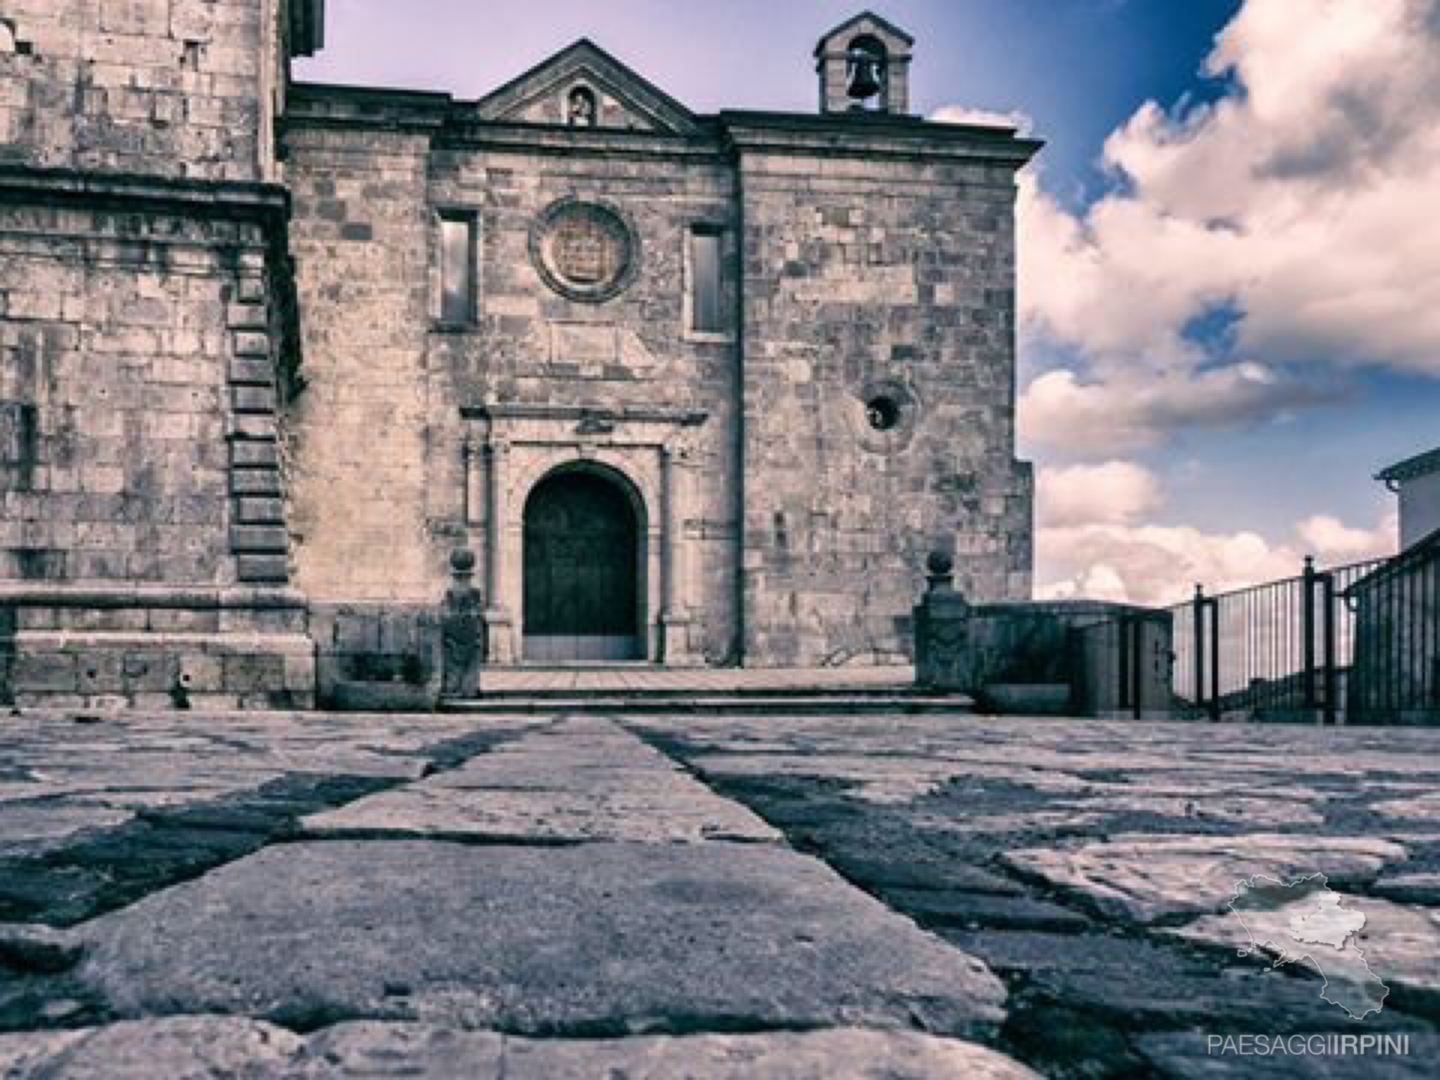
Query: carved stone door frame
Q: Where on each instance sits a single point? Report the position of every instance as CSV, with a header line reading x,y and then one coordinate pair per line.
x,y
512,448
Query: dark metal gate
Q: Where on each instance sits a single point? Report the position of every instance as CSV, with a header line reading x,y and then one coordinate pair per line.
x,y
581,555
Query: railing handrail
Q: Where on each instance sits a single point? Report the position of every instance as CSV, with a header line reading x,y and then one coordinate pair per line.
x,y
1360,565
1359,639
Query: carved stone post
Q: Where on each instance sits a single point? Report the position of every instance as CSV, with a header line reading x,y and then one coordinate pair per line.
x,y
461,629
497,620
942,655
674,617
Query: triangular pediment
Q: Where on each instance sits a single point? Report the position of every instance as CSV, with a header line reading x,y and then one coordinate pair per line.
x,y
623,100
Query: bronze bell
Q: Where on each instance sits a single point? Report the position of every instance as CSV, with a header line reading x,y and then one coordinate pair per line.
x,y
866,69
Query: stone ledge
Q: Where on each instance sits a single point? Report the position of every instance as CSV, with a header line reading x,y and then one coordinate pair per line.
x,y
120,595
219,644
226,198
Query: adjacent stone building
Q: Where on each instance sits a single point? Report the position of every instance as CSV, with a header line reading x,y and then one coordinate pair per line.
x,y
144,297
694,389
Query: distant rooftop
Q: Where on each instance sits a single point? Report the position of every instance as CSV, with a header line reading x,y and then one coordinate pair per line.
x,y
1419,465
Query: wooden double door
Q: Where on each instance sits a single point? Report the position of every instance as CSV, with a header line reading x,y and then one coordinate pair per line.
x,y
583,586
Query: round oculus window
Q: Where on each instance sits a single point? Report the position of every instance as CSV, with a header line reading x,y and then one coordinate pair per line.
x,y
585,251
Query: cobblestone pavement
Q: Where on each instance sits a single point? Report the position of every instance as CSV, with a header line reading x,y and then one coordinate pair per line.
x,y
652,896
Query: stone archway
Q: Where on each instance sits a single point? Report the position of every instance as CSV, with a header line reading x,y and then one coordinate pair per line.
x,y
583,569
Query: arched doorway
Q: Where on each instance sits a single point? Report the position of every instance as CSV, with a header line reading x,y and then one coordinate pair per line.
x,y
583,587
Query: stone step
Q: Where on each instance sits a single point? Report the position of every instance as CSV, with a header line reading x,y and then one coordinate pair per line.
x,y
728,703
642,690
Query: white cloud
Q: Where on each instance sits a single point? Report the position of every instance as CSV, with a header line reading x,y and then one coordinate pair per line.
x,y
1156,564
1134,409
964,114
1113,493
1159,565
1328,538
1302,201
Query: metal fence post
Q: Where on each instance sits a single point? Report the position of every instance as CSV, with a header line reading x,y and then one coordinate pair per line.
x,y
1198,604
1332,681
1307,630
1213,603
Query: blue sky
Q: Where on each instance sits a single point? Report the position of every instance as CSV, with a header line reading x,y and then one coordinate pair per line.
x,y
1223,326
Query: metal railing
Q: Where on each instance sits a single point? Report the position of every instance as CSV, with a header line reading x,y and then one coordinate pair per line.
x,y
1355,643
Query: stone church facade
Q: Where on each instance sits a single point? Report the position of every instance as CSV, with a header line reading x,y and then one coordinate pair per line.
x,y
694,389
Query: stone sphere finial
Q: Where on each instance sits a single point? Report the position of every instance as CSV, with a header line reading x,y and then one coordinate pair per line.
x,y
462,561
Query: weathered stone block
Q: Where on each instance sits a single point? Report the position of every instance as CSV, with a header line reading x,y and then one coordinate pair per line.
x,y
150,672
100,673
262,569
260,539
249,427
259,453
263,482
259,511
45,672
250,371
253,399
252,343
200,673
244,674
247,317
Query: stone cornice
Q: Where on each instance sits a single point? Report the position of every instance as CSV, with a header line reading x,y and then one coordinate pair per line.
x,y
873,135
618,414
269,203
455,125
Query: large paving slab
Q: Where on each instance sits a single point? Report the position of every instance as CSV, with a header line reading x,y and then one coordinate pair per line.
x,y
582,778
631,893
65,772
594,938
1395,951
211,1048
1062,852
1147,878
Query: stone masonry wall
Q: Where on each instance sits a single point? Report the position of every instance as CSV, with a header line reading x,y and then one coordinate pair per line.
x,y
866,278
534,347
357,432
162,87
142,539
381,488
121,334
